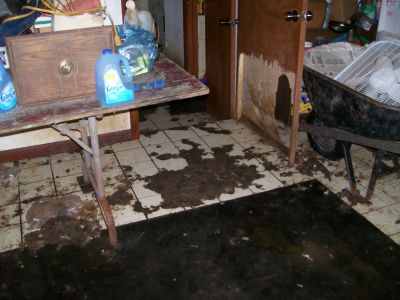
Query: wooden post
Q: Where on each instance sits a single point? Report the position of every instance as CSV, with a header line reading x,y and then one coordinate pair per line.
x,y
297,89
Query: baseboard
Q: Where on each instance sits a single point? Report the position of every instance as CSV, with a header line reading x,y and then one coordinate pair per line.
x,y
60,147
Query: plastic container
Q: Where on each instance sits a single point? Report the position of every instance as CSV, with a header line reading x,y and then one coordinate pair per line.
x,y
8,99
149,81
114,86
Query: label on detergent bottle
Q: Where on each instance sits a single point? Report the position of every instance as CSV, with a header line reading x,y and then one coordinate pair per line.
x,y
8,99
115,90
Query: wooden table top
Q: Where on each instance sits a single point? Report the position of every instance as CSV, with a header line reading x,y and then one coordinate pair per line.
x,y
179,85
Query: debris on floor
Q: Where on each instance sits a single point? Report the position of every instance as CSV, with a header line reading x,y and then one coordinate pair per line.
x,y
61,220
202,179
62,231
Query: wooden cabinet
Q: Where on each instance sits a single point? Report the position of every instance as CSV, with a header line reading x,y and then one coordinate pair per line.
x,y
56,66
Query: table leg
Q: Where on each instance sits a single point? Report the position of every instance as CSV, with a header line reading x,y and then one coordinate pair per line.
x,y
135,124
85,155
100,192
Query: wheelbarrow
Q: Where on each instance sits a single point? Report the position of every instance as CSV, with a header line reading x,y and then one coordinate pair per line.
x,y
341,117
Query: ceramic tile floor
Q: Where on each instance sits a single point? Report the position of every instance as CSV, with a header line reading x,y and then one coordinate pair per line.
x,y
134,162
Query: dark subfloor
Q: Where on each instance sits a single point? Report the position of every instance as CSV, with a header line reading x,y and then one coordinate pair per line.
x,y
298,242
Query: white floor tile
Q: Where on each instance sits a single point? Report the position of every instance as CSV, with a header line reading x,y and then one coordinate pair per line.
x,y
200,144
238,193
385,219
132,156
35,174
160,116
218,140
164,211
155,138
36,189
108,161
33,162
290,176
374,203
127,215
67,168
166,156
140,189
140,170
106,150
10,238
231,125
60,157
204,129
188,119
126,146
147,125
153,203
251,162
180,133
67,184
245,135
113,175
396,238
259,146
388,191
266,183
9,215
9,192
167,124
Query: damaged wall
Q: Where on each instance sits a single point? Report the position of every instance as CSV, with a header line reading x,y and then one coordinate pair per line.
x,y
268,48
260,87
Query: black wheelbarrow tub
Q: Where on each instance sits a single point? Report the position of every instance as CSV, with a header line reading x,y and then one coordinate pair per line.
x,y
340,106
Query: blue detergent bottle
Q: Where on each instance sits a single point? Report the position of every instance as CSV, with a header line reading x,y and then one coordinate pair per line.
x,y
8,99
113,86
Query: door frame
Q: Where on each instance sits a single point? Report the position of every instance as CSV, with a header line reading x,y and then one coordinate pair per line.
x,y
190,37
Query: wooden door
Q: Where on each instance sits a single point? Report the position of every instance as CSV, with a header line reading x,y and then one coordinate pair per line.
x,y
270,53
220,57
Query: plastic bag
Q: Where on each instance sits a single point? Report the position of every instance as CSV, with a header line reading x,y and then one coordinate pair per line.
x,y
138,47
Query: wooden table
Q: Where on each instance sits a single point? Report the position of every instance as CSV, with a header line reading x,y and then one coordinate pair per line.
x,y
179,85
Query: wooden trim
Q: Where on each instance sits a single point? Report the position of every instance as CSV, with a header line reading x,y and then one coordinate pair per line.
x,y
297,89
234,62
60,147
190,39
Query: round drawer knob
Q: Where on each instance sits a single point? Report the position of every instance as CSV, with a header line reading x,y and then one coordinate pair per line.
x,y
65,67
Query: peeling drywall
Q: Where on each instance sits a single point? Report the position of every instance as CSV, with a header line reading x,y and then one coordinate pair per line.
x,y
258,88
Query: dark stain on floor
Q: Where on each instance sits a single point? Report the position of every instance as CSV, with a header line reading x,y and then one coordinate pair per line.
x,y
293,243
120,196
202,179
149,132
166,156
205,128
85,187
46,208
62,231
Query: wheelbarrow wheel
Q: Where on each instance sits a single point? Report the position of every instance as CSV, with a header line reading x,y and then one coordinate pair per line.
x,y
325,146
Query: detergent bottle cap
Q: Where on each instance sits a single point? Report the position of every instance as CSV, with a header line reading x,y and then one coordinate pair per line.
x,y
107,51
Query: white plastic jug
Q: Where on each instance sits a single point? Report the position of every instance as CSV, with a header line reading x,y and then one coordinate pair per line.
x,y
113,86
141,18
8,99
